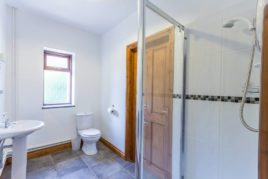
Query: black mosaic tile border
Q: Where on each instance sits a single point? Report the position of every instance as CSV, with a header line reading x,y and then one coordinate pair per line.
x,y
230,99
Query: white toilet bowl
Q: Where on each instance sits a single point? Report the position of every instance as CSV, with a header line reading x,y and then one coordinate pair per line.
x,y
90,138
86,131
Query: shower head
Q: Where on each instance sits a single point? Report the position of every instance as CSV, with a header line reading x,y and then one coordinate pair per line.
x,y
230,23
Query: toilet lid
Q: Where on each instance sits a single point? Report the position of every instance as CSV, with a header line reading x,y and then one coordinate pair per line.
x,y
90,132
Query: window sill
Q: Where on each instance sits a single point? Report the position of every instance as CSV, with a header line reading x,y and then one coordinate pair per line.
x,y
58,106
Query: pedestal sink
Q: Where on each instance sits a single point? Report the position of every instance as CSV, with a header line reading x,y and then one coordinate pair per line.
x,y
18,131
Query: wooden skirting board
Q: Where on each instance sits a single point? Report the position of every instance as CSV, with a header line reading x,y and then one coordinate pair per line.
x,y
60,147
113,148
44,151
48,150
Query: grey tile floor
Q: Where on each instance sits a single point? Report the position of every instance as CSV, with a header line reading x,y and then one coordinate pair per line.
x,y
76,165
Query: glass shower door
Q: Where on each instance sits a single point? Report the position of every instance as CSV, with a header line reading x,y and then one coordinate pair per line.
x,y
162,92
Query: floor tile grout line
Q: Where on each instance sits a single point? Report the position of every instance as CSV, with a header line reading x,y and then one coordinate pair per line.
x,y
89,167
129,173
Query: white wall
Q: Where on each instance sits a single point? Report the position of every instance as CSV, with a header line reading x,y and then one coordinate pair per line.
x,y
2,25
33,33
217,145
2,52
113,81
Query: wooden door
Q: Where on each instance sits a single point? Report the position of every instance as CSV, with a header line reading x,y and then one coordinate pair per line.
x,y
263,135
158,90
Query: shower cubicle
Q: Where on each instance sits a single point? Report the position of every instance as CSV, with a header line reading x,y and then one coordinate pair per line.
x,y
161,94
198,94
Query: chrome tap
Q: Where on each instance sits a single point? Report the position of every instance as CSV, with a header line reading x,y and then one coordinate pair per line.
x,y
5,120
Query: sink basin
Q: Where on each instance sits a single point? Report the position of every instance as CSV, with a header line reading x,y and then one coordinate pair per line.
x,y
18,131
20,128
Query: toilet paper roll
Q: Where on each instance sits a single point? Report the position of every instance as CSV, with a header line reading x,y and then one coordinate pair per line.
x,y
111,110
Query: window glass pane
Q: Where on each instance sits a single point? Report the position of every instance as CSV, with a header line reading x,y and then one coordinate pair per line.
x,y
56,87
58,62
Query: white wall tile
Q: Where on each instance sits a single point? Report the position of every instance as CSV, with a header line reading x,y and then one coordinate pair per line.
x,y
203,75
218,62
201,160
203,121
204,56
202,136
176,137
238,146
234,72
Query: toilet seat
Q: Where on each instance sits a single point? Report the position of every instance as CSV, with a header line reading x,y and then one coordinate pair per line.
x,y
91,133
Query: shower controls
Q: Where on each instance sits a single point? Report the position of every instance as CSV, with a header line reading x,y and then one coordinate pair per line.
x,y
253,89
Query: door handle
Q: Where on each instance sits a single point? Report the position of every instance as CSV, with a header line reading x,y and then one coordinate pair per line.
x,y
146,123
164,112
146,106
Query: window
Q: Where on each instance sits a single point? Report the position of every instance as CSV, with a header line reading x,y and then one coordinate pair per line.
x,y
58,80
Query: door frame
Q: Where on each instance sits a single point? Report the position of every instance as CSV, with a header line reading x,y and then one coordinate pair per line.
x,y
263,134
130,138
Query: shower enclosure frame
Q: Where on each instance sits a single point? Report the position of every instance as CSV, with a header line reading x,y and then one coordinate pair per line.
x,y
142,5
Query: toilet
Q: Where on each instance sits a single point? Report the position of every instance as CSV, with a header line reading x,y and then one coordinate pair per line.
x,y
88,134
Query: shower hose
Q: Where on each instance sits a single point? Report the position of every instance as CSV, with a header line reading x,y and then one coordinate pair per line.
x,y
242,106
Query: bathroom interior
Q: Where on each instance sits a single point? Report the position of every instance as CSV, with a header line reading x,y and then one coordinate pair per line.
x,y
124,89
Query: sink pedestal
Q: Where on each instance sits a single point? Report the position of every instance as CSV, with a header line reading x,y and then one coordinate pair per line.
x,y
18,131
19,158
